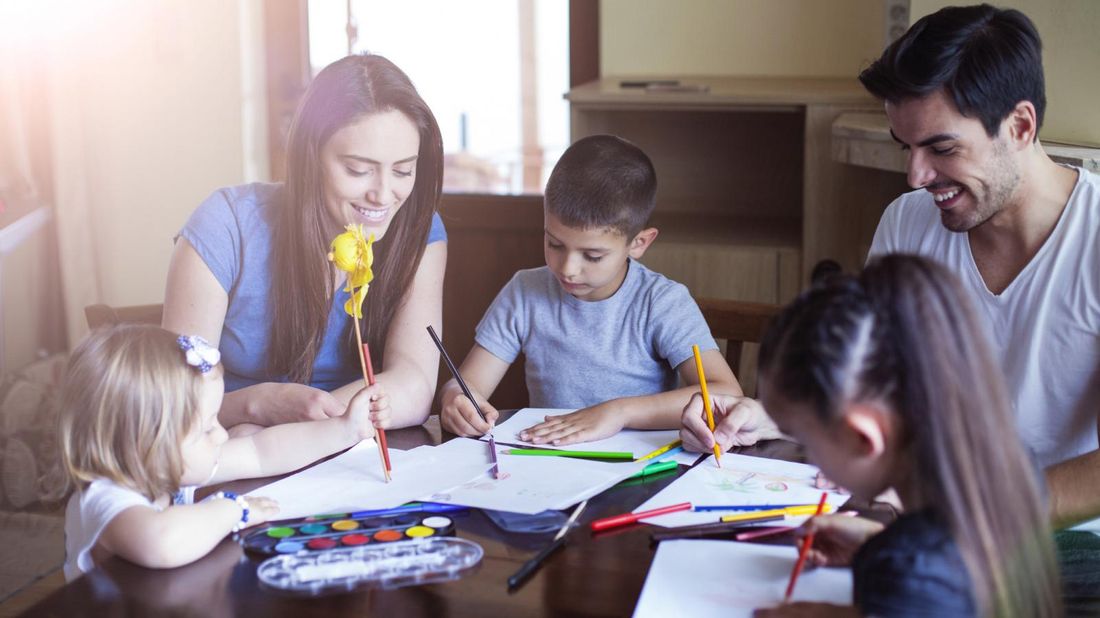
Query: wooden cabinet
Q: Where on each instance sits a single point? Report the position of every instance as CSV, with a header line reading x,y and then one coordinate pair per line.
x,y
749,197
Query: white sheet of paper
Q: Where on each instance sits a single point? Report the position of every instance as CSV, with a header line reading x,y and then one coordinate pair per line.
x,y
635,441
726,579
531,484
353,481
741,480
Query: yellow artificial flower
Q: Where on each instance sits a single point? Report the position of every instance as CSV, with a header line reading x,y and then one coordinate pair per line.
x,y
353,253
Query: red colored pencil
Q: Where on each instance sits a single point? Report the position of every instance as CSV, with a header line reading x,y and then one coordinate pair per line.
x,y
629,518
381,432
806,543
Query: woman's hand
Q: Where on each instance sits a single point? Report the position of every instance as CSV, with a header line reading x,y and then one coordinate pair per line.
x,y
738,421
275,403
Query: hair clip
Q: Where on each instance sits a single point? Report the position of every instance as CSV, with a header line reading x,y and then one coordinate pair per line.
x,y
198,352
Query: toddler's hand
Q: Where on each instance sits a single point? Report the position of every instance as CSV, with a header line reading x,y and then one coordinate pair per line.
x,y
261,510
459,416
738,421
595,423
368,406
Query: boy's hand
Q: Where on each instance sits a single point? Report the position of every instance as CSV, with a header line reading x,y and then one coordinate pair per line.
x,y
837,538
459,416
261,510
370,407
738,421
595,423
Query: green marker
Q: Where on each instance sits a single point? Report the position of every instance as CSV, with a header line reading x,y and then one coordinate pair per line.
x,y
655,468
581,454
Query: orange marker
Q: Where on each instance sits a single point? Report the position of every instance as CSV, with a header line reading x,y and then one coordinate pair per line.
x,y
706,402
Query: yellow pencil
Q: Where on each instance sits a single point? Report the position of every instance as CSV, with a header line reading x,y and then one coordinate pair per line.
x,y
664,449
706,402
808,509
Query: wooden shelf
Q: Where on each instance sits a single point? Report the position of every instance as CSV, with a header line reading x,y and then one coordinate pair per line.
x,y
716,230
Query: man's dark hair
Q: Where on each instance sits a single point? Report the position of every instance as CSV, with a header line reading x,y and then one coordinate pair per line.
x,y
986,59
603,181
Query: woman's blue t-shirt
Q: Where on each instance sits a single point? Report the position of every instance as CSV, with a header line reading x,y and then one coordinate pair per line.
x,y
232,232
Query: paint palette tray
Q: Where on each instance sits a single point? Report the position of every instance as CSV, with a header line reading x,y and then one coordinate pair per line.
x,y
386,566
331,532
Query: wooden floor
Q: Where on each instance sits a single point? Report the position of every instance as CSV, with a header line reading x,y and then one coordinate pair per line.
x,y
24,599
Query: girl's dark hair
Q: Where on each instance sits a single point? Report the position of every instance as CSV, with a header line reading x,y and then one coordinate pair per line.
x,y
303,279
903,333
986,59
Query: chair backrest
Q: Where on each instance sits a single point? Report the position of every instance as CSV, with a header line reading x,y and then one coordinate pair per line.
x,y
737,322
105,315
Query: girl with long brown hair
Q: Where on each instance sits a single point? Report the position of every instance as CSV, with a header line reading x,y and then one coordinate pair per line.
x,y
250,273
889,382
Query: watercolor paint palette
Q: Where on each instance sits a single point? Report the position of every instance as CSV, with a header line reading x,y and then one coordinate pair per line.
x,y
385,565
330,532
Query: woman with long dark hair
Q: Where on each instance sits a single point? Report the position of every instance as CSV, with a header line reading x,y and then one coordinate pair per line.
x,y
250,272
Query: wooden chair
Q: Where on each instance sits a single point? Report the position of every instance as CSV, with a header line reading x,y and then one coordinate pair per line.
x,y
105,315
737,323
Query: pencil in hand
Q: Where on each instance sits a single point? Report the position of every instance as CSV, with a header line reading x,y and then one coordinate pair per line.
x,y
378,430
706,402
806,543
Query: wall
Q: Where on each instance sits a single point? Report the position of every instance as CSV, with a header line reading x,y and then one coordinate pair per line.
x,y
1071,60
163,94
739,37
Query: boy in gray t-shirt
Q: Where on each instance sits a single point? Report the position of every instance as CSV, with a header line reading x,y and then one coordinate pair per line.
x,y
600,331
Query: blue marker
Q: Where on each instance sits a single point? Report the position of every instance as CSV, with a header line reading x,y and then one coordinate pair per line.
x,y
411,507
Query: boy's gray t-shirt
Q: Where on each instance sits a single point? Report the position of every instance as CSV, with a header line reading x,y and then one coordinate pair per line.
x,y
582,353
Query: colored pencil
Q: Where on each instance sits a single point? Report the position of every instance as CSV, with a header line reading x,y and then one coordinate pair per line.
x,y
630,518
381,432
368,378
655,468
806,543
415,507
706,402
469,395
794,510
747,507
670,453
766,532
546,452
702,530
662,450
535,562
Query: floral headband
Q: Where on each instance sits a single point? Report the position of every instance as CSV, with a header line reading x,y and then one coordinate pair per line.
x,y
198,352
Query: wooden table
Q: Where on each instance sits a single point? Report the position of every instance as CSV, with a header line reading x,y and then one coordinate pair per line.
x,y
593,576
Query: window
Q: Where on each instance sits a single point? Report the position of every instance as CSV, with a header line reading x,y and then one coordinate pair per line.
x,y
493,73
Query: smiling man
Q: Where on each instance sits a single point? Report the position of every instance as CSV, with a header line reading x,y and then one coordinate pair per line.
x,y
964,94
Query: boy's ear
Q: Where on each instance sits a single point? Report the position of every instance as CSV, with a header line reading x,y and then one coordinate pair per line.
x,y
641,241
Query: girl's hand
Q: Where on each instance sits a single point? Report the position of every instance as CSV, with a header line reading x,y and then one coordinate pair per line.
x,y
595,423
261,510
738,421
807,610
368,406
837,538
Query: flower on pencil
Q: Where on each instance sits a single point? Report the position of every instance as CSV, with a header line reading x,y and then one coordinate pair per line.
x,y
352,253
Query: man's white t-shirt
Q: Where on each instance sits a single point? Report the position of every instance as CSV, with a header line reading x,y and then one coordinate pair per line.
x,y
1045,326
88,513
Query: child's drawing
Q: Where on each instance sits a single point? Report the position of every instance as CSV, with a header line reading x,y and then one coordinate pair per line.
x,y
748,482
